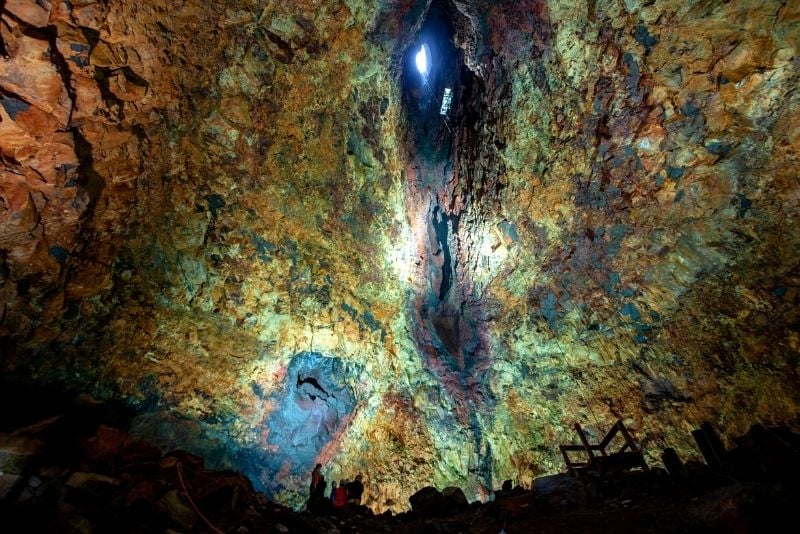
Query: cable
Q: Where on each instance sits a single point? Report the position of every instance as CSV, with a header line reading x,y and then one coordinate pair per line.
x,y
432,95
179,468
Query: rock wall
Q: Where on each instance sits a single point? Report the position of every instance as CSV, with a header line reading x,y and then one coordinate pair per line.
x,y
204,207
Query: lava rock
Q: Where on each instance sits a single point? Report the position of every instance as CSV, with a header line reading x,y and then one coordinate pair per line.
x,y
428,501
561,490
17,451
175,506
8,483
456,498
92,483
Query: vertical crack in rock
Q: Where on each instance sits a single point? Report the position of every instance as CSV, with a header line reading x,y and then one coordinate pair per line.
x,y
445,226
446,200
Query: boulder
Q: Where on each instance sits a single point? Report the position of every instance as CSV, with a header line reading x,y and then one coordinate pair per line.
x,y
428,501
16,451
457,501
7,484
175,506
92,483
109,444
561,490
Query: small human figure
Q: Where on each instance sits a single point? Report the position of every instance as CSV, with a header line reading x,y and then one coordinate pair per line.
x,y
340,496
333,490
354,490
316,475
317,489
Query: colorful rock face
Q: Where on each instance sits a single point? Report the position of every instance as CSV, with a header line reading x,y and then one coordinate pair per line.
x,y
250,221
312,410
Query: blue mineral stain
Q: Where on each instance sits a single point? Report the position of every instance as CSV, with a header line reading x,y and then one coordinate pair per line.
x,y
611,285
258,391
641,330
675,173
679,195
350,310
263,247
13,106
290,247
718,148
618,232
628,292
367,319
371,322
655,316
631,311
310,411
59,253
744,205
80,60
509,230
689,109
547,305
779,291
630,62
644,37
215,203
660,179
633,75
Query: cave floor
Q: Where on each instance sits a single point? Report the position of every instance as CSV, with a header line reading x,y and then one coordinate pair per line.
x,y
80,471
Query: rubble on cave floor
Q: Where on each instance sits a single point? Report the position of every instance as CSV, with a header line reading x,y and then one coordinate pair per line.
x,y
80,471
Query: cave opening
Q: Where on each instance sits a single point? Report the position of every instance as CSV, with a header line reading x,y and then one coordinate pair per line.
x,y
431,74
422,59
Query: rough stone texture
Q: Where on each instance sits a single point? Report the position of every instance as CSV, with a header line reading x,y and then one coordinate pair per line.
x,y
193,194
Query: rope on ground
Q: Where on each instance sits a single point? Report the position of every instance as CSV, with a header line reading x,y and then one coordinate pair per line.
x,y
179,468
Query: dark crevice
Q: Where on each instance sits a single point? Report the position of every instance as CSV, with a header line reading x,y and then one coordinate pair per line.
x,y
13,103
443,224
311,381
3,49
446,153
102,76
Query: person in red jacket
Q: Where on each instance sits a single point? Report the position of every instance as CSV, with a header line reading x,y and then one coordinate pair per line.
x,y
340,496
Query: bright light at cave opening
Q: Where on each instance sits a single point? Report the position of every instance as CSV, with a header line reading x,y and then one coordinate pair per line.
x,y
421,60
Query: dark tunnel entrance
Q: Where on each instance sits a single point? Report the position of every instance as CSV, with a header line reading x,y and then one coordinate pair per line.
x,y
429,132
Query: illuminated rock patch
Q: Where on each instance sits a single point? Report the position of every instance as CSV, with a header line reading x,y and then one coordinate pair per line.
x,y
197,197
309,413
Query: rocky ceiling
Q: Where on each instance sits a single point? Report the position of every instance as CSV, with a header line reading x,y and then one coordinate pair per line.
x,y
248,219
